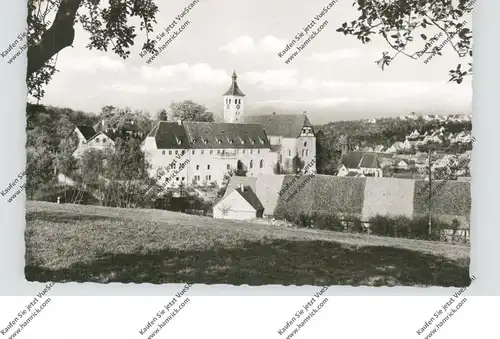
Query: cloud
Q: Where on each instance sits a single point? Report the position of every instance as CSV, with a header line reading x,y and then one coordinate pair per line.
x,y
91,64
245,43
183,72
272,79
239,45
316,102
340,54
272,43
141,89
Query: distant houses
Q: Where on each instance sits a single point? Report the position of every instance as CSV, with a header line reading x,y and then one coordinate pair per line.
x,y
432,117
102,136
360,163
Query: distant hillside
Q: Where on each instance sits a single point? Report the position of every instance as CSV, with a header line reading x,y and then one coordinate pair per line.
x,y
362,133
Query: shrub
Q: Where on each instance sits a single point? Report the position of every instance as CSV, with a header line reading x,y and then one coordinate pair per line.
x,y
356,226
402,227
382,225
419,228
328,222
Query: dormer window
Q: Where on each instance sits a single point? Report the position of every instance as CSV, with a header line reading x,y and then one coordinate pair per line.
x,y
96,139
219,141
253,141
205,141
104,140
261,141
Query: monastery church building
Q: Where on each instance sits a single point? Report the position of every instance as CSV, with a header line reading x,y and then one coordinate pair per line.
x,y
205,151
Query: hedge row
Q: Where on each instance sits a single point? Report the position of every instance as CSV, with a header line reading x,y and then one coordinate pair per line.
x,y
396,227
330,222
411,228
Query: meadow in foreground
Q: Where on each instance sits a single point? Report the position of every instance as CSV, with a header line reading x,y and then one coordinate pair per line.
x,y
98,244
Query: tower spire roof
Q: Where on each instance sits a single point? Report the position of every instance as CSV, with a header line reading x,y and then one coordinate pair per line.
x,y
234,89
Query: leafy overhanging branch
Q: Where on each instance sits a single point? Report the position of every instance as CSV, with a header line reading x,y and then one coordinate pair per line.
x,y
396,21
108,26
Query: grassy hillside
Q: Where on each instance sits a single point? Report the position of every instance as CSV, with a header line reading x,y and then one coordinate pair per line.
x,y
99,244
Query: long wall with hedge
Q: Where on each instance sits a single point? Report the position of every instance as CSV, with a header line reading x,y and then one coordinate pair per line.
x,y
362,198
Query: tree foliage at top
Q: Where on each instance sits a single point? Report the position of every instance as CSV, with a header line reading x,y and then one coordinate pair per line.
x,y
109,25
399,22
190,111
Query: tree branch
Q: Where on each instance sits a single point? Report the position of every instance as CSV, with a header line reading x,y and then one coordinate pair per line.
x,y
60,35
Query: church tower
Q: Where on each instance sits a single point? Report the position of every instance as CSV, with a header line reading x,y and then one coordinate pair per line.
x,y
234,103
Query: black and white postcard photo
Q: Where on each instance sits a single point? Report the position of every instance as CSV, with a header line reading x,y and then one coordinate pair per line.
x,y
249,142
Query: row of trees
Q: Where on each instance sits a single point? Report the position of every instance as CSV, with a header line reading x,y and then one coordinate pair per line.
x,y
109,178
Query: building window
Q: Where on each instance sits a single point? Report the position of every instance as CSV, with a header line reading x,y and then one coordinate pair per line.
x,y
307,152
208,177
208,167
104,140
289,152
243,151
197,167
202,151
182,179
96,139
305,143
169,152
193,151
218,151
261,163
228,166
251,164
302,152
162,152
251,151
197,178
258,151
176,151
229,100
211,151
281,158
177,179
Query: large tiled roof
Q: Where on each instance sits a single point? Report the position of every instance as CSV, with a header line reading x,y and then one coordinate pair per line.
x,y
191,134
169,135
249,195
369,160
87,131
225,135
357,159
288,126
352,159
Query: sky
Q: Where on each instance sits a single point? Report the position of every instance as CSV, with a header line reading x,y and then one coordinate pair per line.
x,y
334,77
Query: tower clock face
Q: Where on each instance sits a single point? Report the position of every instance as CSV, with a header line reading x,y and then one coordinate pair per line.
x,y
238,106
227,106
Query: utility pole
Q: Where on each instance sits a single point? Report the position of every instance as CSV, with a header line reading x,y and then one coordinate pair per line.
x,y
430,192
